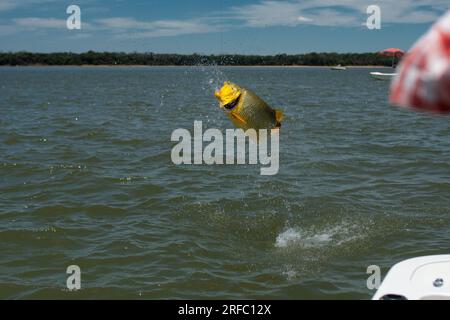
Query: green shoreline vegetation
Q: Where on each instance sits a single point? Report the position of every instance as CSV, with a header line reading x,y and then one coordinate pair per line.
x,y
157,59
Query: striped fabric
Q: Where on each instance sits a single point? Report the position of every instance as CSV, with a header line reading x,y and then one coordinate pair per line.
x,y
423,79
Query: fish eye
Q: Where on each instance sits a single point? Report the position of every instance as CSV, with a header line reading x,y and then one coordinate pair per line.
x,y
230,106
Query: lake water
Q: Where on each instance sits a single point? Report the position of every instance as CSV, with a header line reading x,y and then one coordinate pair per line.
x,y
86,179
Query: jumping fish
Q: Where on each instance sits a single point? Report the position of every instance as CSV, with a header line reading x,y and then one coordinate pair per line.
x,y
246,110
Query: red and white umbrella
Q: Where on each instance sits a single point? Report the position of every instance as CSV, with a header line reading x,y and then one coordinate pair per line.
x,y
423,79
392,52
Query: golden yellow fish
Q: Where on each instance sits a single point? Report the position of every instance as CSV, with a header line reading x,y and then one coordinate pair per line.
x,y
246,110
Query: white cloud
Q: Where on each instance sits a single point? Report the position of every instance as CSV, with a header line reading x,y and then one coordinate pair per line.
x,y
292,13
122,23
304,19
45,23
408,11
159,28
262,13
6,5
268,13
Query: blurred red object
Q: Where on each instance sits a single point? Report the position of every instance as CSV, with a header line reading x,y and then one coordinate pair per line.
x,y
423,79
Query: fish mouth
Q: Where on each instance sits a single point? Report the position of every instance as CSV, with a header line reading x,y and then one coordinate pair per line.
x,y
233,104
228,95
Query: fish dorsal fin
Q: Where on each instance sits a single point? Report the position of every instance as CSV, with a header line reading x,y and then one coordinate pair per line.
x,y
279,115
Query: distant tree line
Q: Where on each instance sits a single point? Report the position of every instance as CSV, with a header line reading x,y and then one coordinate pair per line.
x,y
156,59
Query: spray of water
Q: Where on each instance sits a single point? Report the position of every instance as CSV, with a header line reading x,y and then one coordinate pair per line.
x,y
214,75
210,77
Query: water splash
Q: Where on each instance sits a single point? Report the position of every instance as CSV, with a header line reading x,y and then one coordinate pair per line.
x,y
305,238
298,237
214,75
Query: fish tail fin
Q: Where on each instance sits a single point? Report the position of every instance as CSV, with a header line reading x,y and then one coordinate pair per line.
x,y
279,115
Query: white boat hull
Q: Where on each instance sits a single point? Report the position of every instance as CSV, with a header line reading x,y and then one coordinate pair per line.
x,y
383,76
423,278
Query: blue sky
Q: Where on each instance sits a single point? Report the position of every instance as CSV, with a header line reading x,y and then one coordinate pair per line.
x,y
214,26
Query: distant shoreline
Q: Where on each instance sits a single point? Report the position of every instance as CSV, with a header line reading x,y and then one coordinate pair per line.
x,y
110,59
183,66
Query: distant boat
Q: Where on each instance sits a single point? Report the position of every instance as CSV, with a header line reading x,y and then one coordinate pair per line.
x,y
383,76
339,68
